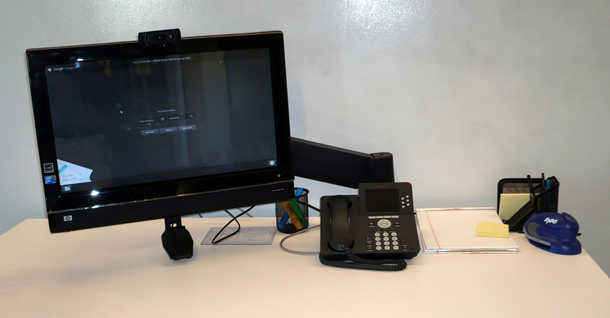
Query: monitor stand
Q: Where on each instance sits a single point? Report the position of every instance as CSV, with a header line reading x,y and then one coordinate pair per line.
x,y
177,241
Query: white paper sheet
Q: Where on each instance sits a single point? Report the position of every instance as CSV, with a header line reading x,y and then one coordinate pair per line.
x,y
454,230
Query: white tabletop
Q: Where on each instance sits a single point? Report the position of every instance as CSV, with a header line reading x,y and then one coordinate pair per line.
x,y
123,271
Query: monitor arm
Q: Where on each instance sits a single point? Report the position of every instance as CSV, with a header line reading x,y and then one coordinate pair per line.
x,y
309,160
339,166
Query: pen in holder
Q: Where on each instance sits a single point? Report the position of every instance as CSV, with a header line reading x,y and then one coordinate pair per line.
x,y
293,215
520,199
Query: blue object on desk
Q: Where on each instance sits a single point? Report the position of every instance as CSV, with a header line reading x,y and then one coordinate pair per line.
x,y
283,221
298,193
554,232
285,217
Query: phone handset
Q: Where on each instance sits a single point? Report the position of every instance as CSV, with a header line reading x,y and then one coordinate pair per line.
x,y
340,239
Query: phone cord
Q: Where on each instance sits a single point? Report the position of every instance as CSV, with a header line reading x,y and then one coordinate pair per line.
x,y
354,261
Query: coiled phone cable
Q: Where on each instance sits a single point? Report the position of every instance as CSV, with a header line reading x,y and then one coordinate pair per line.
x,y
356,262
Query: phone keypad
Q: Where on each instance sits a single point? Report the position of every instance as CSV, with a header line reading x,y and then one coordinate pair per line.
x,y
386,240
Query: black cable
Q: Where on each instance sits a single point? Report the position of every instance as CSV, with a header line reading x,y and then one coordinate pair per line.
x,y
310,206
356,262
233,218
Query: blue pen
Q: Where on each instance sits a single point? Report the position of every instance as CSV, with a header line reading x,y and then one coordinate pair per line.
x,y
298,193
283,221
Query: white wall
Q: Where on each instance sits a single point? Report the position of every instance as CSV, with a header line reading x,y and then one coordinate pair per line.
x,y
463,93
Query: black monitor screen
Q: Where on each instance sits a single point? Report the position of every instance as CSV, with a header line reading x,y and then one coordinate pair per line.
x,y
125,121
122,123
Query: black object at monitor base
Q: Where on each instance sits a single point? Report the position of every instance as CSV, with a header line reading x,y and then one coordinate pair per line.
x,y
177,240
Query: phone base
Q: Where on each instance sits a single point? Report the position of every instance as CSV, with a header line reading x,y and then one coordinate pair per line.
x,y
376,236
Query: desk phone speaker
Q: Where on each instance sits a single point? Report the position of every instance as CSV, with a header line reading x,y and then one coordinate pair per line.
x,y
554,232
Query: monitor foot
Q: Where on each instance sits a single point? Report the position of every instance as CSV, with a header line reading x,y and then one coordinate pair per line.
x,y
177,241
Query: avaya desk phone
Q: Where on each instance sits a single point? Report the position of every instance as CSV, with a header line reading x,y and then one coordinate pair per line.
x,y
373,230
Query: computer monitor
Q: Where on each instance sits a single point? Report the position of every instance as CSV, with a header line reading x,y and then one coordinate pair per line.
x,y
161,127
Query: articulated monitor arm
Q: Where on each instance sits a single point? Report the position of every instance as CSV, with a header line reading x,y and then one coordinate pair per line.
x,y
339,166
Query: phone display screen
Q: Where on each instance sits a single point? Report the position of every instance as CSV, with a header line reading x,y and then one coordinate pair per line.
x,y
382,200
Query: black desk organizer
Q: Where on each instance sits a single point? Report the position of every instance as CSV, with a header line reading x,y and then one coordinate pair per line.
x,y
544,194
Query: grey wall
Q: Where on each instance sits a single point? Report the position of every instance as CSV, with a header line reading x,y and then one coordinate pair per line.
x,y
463,93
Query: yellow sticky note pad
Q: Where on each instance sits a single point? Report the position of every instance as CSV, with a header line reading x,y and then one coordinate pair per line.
x,y
490,229
511,203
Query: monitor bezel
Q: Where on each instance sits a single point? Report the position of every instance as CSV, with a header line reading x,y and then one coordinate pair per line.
x,y
116,205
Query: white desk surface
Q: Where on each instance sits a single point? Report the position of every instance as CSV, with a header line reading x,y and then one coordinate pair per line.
x,y
123,271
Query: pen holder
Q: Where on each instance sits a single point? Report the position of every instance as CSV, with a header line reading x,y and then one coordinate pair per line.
x,y
521,198
293,216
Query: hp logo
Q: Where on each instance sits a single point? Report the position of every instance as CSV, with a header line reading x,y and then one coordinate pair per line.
x,y
67,218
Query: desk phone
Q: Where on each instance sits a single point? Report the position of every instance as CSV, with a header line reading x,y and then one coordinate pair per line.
x,y
376,225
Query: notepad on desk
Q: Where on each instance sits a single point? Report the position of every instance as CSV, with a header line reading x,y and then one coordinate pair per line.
x,y
454,230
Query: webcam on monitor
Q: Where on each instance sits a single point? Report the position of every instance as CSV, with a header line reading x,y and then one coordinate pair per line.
x,y
161,38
